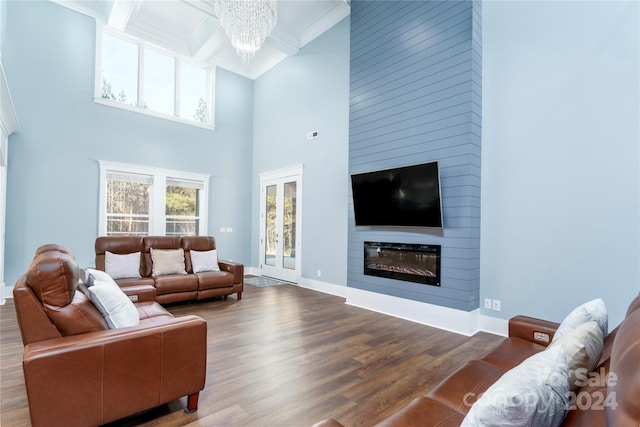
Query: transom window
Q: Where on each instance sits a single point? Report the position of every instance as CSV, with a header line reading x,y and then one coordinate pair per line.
x,y
134,75
141,201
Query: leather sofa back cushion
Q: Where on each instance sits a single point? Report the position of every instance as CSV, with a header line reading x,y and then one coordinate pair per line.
x,y
624,364
79,317
53,276
118,245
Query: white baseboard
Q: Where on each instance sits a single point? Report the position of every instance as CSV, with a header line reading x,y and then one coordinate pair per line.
x,y
493,325
5,293
254,271
327,288
461,322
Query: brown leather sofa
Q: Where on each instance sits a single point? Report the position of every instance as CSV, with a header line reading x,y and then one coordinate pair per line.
x,y
448,403
174,287
80,373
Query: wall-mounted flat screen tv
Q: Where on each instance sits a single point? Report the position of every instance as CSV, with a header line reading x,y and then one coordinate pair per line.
x,y
402,197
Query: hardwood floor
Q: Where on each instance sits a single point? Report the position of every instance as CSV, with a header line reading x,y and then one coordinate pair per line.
x,y
287,356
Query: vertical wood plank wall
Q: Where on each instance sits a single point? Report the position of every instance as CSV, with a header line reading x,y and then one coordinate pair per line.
x,y
415,97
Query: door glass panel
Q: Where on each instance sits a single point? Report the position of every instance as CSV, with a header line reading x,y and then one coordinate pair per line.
x,y
271,236
289,226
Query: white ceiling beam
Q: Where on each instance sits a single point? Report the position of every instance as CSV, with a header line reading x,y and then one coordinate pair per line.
x,y
334,15
205,7
283,42
121,13
206,40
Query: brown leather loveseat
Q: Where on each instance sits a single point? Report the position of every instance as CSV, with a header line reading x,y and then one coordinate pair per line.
x,y
78,372
608,396
171,287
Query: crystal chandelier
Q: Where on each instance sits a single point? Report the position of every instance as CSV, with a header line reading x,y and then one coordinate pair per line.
x,y
247,23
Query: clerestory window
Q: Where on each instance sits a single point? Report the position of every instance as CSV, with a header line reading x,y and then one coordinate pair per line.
x,y
137,76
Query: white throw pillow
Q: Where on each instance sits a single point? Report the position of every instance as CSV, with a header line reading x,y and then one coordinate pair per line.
x,y
204,261
116,308
168,261
594,310
122,266
533,393
583,347
100,275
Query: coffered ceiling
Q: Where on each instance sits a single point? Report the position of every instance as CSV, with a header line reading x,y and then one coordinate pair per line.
x,y
191,28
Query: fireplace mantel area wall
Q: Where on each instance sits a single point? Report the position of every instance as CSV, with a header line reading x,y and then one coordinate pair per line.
x,y
415,97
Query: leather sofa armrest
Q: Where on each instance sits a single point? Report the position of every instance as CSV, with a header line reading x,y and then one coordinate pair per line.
x,y
532,329
234,267
124,371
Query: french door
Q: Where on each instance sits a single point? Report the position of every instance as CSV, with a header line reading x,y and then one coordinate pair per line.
x,y
280,223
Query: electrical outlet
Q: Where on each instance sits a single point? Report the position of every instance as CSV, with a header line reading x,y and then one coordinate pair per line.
x,y
487,303
496,305
319,273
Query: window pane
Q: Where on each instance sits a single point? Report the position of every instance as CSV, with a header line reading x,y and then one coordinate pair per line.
x,y
159,82
193,93
270,225
289,226
119,70
182,210
128,206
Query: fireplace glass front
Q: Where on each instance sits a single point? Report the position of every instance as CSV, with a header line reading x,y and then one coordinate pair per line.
x,y
403,261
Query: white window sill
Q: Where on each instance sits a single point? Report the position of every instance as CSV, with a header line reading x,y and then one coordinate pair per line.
x,y
136,109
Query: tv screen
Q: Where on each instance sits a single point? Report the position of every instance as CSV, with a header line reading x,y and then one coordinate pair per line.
x,y
406,197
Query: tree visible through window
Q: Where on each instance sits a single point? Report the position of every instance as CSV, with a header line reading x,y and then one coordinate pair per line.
x,y
128,204
164,77
140,201
182,207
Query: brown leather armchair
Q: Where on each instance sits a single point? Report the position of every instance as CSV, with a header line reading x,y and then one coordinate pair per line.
x,y
78,372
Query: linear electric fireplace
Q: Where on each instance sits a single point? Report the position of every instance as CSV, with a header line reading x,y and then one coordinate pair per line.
x,y
403,261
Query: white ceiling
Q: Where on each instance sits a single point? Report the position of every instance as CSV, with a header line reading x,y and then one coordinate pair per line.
x,y
191,29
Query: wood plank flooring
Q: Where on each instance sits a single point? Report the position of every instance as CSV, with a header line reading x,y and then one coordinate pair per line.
x,y
286,356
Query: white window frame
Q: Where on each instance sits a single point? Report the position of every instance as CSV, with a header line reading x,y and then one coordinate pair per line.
x,y
157,199
139,107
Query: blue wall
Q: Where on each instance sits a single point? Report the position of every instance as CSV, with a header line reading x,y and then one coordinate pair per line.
x,y
560,160
415,98
53,171
308,92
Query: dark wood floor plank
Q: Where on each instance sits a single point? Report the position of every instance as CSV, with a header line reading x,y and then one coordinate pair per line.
x,y
286,356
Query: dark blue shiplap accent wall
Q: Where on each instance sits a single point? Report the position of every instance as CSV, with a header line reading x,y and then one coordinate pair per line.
x,y
415,98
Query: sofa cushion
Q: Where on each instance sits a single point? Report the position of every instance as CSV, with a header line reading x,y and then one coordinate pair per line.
x,y
534,393
122,266
204,260
512,352
176,283
594,310
214,279
583,347
168,261
424,411
116,308
461,389
151,310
